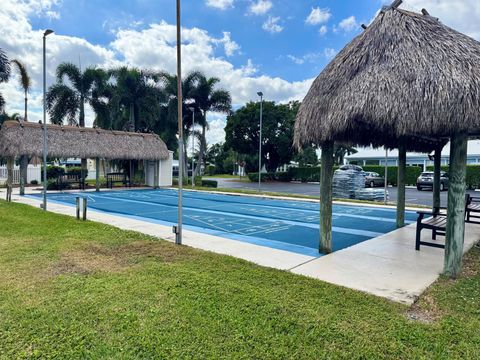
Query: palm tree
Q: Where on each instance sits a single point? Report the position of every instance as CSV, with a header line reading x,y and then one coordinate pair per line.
x,y
341,150
189,90
4,74
25,83
136,93
67,98
209,99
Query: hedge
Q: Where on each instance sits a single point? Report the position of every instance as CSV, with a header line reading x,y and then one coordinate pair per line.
x,y
411,173
209,183
312,174
473,175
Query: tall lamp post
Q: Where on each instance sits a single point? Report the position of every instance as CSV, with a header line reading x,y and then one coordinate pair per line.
x,y
45,34
260,142
193,144
178,228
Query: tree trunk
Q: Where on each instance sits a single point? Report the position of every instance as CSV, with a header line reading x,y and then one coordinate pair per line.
x,y
10,162
402,164
81,123
24,158
456,205
326,176
201,154
131,120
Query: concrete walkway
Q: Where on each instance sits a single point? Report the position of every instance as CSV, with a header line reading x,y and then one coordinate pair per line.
x,y
386,266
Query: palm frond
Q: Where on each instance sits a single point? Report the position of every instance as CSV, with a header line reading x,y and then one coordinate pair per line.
x,y
25,80
72,73
4,67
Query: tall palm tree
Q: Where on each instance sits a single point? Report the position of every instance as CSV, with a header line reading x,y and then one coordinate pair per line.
x,y
74,89
135,93
25,84
4,74
189,89
209,99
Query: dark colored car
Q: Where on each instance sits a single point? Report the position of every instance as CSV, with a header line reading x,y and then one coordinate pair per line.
x,y
425,180
373,179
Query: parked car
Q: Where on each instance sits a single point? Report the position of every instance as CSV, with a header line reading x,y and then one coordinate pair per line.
x,y
425,180
373,179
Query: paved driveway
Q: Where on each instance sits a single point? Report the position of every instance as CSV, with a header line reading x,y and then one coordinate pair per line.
x,y
413,196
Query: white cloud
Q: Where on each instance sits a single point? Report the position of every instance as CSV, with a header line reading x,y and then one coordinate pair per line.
x,y
349,24
296,60
216,131
220,4
461,15
150,47
318,16
323,30
329,53
230,46
271,25
260,7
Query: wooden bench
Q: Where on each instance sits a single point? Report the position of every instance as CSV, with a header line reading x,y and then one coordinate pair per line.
x,y
117,178
472,206
437,222
69,179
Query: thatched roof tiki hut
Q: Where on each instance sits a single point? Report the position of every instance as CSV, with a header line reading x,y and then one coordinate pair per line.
x,y
26,138
408,82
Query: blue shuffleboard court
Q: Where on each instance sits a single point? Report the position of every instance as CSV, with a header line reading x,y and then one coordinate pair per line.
x,y
280,224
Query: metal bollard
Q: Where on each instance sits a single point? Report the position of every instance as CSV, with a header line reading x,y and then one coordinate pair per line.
x,y
78,207
84,209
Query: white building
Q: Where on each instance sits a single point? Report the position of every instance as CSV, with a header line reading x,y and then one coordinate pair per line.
x,y
370,156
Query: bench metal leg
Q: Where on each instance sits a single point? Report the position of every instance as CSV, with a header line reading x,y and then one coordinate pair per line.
x,y
434,234
417,238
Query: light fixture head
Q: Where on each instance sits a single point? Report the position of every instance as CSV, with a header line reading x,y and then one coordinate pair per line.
x,y
260,93
47,32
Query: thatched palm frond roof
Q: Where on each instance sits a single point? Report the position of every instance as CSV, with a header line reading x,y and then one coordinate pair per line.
x,y
26,138
406,74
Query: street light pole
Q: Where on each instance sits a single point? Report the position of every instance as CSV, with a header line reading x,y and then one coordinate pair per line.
x,y
260,142
45,34
178,228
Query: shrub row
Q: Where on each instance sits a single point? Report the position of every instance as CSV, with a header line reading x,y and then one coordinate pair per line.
x,y
198,182
54,172
473,175
411,173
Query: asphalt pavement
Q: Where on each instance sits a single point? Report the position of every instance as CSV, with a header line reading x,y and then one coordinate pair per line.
x,y
413,196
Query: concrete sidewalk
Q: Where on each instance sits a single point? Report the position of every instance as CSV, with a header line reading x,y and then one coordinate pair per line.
x,y
386,266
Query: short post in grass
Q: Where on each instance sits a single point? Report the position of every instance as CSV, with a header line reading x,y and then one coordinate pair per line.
x,y
77,202
326,176
84,218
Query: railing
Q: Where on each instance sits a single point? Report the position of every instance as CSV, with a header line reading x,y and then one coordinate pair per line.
x,y
33,173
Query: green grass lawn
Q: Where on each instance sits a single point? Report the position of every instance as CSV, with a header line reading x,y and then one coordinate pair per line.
x,y
70,290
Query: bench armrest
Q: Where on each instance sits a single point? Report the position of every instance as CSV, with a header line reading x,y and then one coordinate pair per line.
x,y
431,213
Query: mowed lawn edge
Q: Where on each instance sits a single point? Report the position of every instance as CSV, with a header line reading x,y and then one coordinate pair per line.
x,y
71,289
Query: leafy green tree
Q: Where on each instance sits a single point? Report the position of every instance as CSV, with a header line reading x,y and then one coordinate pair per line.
x,y
307,157
67,98
242,132
25,83
209,99
4,75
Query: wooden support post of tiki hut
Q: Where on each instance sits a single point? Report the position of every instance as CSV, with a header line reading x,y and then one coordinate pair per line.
x,y
326,176
402,165
10,162
23,175
97,174
456,205
437,162
156,175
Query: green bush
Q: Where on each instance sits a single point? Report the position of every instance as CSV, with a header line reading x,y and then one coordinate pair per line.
x,y
198,181
77,170
283,176
209,183
54,185
265,177
304,174
54,172
34,182
211,170
411,173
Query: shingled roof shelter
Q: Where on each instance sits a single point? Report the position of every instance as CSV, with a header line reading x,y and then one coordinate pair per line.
x,y
407,82
26,139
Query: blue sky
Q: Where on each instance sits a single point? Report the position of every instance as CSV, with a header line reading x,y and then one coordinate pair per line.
x,y
98,20
276,46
